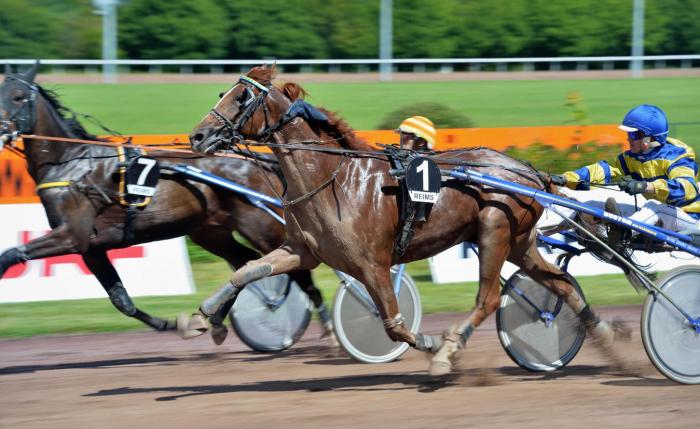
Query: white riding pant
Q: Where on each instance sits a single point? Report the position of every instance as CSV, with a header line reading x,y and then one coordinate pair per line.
x,y
652,211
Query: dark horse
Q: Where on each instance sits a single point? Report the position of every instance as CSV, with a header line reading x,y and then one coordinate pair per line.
x,y
86,217
342,210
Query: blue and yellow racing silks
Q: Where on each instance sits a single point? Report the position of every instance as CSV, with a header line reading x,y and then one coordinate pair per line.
x,y
670,167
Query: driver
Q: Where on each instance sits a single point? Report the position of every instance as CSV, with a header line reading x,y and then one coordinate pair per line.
x,y
417,133
661,169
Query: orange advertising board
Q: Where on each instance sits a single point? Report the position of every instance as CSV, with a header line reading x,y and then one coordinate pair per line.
x,y
16,186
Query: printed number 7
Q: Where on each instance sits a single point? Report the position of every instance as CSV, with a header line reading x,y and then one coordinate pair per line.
x,y
423,168
149,163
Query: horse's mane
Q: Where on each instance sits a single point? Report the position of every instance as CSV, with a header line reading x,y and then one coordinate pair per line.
x,y
263,74
71,123
336,127
343,133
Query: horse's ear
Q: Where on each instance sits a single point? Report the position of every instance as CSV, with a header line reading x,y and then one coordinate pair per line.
x,y
8,69
30,74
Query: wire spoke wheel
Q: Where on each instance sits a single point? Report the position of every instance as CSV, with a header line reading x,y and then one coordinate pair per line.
x,y
539,339
670,340
271,314
359,326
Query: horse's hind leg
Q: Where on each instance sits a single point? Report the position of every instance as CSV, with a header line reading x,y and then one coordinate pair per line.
x,y
528,257
59,241
279,261
102,268
306,283
493,250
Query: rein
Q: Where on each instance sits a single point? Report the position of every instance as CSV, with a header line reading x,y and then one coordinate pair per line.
x,y
145,148
381,155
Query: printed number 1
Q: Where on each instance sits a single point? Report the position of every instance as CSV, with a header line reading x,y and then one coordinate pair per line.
x,y
149,163
423,168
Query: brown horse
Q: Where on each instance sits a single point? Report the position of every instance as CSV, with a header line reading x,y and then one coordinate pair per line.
x,y
342,210
86,217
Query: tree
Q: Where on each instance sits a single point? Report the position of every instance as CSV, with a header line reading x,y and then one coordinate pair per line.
x,y
28,32
581,28
351,28
273,29
483,33
422,29
76,41
671,27
154,29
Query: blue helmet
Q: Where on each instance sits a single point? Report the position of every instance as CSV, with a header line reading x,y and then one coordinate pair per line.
x,y
648,119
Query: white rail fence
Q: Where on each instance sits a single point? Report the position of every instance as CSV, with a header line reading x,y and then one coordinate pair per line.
x,y
443,65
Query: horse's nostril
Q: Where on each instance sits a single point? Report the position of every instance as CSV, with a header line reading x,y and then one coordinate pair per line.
x,y
197,137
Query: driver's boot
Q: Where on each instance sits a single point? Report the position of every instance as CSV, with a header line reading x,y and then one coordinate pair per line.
x,y
617,235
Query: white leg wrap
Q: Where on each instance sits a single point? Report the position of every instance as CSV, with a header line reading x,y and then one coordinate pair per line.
x,y
603,333
396,321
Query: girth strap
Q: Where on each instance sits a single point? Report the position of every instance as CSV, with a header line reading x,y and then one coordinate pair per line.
x,y
49,185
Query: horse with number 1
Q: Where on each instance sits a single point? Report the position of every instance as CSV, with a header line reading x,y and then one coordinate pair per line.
x,y
342,208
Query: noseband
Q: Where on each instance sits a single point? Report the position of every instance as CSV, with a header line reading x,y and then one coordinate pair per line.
x,y
247,111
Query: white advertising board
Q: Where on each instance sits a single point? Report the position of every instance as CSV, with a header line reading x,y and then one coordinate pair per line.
x,y
158,268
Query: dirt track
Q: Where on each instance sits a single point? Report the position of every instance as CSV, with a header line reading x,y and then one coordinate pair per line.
x,y
159,381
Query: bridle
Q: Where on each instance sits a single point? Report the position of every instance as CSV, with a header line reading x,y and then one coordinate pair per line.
x,y
23,118
233,126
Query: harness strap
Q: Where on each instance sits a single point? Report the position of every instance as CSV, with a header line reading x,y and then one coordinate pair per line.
x,y
49,185
288,203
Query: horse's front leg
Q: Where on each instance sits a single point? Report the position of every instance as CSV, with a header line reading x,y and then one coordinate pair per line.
x,y
280,261
59,241
380,289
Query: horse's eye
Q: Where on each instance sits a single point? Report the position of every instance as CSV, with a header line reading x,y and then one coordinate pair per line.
x,y
18,98
242,97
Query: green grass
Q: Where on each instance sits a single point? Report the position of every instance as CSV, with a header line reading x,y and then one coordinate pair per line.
x,y
97,315
176,108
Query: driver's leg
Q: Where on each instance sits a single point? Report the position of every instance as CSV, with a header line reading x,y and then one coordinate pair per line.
x,y
673,218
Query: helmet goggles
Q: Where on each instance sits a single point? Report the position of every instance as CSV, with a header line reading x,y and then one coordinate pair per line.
x,y
635,135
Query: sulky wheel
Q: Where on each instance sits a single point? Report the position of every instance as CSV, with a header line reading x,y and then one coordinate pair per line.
x,y
271,314
359,326
536,328
672,338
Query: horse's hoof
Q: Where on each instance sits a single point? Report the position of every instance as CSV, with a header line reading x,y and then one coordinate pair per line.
x,y
602,334
621,331
331,341
438,368
328,338
219,334
441,363
190,328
